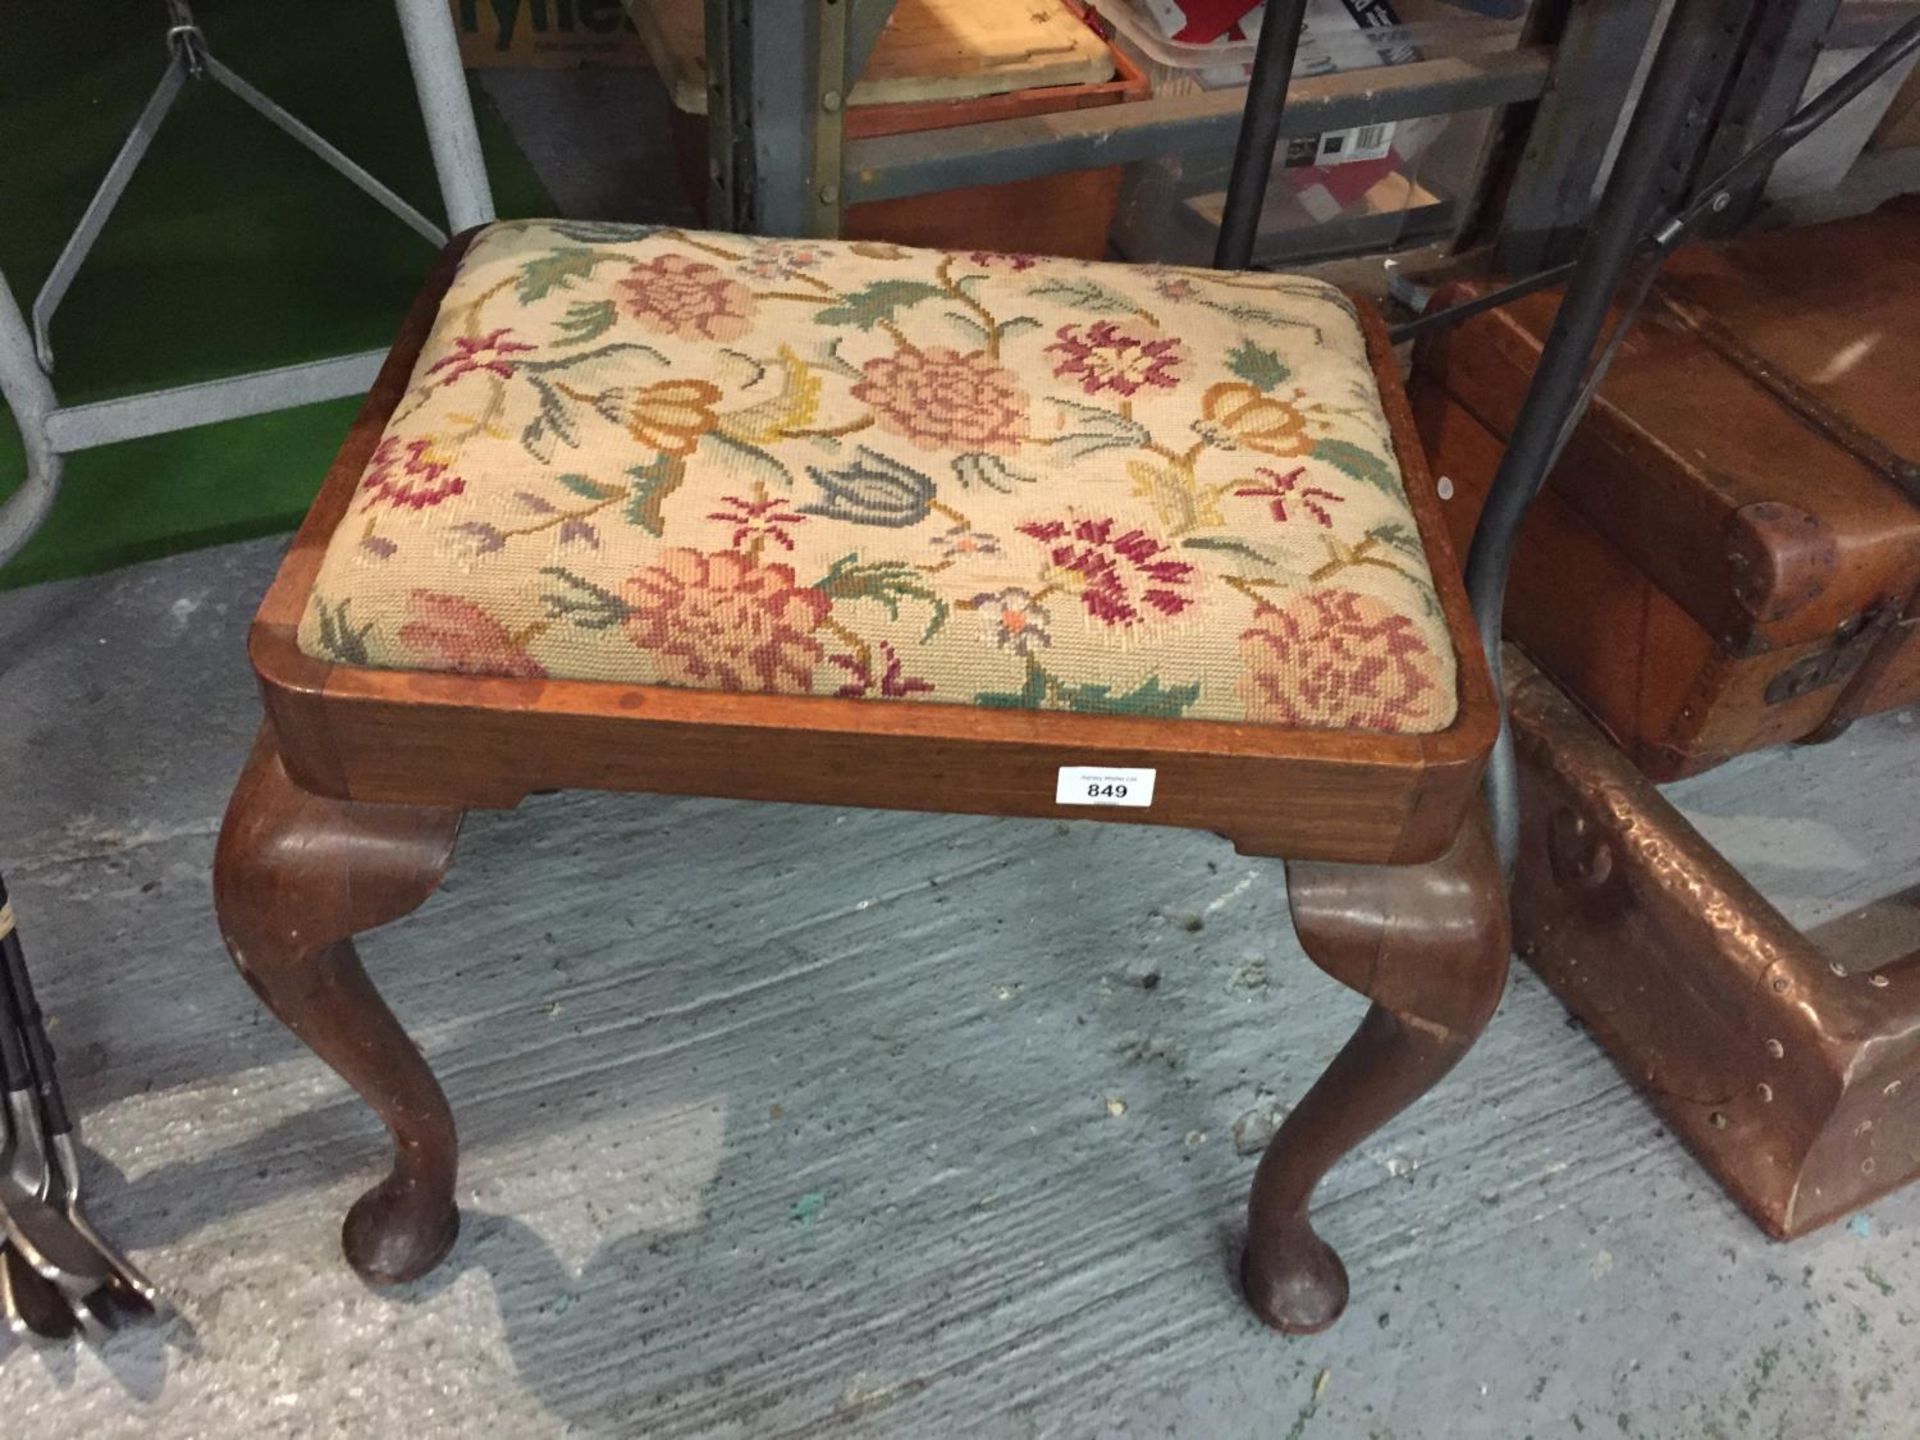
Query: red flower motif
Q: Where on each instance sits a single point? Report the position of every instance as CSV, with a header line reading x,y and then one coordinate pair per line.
x,y
414,475
455,634
1107,356
726,622
943,400
1117,576
1015,261
485,352
894,684
1282,488
680,296
1340,660
763,517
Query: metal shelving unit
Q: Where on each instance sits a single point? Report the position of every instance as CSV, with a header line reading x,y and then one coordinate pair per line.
x,y
781,70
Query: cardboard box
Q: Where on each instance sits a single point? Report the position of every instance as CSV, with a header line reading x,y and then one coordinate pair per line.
x,y
546,34
1900,127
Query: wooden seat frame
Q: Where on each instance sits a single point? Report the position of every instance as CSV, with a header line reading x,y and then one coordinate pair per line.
x,y
345,817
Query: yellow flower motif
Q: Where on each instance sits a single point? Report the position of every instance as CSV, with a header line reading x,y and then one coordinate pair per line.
x,y
672,415
794,408
1237,416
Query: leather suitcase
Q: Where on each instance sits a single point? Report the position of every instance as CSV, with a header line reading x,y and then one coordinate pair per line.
x,y
1728,553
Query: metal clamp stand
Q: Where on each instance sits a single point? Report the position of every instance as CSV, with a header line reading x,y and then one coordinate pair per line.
x,y
26,356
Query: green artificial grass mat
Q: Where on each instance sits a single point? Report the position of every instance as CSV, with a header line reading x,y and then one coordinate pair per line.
x,y
234,249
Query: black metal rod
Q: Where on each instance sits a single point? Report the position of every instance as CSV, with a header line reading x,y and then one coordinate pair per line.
x,y
1259,133
1624,208
1669,234
1492,300
1802,123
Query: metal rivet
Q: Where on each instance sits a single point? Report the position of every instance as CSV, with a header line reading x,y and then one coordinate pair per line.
x,y
1445,487
1721,201
1766,1093
1878,981
1779,984
1866,1166
1774,1047
829,194
1893,1088
1718,1120
830,101
1837,968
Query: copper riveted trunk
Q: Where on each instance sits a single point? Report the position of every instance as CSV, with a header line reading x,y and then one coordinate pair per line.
x,y
1792,1079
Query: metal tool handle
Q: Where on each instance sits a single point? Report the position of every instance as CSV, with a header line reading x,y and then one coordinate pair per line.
x,y
28,1030
16,1073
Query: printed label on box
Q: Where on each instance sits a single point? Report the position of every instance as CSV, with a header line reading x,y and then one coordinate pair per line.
x,y
1099,785
1344,147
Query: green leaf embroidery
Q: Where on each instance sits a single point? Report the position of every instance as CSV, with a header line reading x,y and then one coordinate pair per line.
x,y
885,581
1031,696
1147,698
1362,465
556,270
868,307
1258,366
750,461
989,471
586,320
583,603
1257,315
1087,295
592,232
1228,547
588,488
338,635
1400,536
1096,430
554,422
652,484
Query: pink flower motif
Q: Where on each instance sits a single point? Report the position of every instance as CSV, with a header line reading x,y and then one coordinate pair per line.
x,y
1176,287
760,519
413,474
779,259
1016,621
1015,261
894,682
943,400
957,542
687,298
483,352
725,621
1281,488
1109,356
453,633
1340,660
1117,576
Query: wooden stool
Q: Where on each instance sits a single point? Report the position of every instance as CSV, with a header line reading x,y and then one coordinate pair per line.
x,y
851,524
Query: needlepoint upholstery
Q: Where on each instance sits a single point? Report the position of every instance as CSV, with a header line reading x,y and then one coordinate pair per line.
x,y
658,456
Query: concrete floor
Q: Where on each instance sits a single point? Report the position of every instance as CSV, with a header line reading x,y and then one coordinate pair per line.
x,y
785,1121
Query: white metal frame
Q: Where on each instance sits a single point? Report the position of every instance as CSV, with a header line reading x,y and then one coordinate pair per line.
x,y
51,430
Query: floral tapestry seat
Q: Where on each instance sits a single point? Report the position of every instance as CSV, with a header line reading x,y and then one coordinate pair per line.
x,y
664,457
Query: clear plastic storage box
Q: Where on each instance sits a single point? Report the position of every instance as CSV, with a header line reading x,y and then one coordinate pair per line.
x,y
1376,187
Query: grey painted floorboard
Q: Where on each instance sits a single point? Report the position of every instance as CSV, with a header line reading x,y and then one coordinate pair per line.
x,y
786,1121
